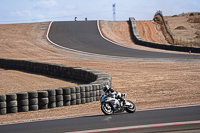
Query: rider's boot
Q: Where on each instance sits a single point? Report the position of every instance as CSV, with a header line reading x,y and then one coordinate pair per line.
x,y
124,103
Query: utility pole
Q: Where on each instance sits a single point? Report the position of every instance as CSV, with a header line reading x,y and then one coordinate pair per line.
x,y
114,14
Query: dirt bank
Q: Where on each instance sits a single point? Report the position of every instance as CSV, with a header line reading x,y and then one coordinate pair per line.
x,y
150,31
185,28
119,32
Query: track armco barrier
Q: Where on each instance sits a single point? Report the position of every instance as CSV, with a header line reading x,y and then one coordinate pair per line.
x,y
42,99
136,37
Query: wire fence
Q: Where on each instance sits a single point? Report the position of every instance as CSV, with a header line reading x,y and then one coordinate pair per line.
x,y
182,41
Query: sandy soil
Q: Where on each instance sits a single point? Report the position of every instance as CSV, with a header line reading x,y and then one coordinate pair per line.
x,y
185,28
149,84
149,31
17,81
189,28
119,32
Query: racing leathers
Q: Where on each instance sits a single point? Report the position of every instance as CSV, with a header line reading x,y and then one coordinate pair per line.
x,y
111,92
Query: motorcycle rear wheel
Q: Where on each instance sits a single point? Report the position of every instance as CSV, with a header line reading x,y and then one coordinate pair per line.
x,y
106,108
132,108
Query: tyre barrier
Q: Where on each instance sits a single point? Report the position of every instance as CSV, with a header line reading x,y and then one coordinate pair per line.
x,y
11,103
59,97
50,98
136,38
3,104
43,100
33,100
22,102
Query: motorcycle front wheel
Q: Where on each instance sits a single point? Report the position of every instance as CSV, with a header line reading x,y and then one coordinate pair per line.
x,y
106,108
131,108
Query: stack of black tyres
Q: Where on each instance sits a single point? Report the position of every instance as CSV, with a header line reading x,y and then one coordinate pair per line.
x,y
33,100
22,102
91,93
52,98
73,95
87,93
66,96
3,104
82,92
78,95
98,92
43,100
59,97
11,100
94,89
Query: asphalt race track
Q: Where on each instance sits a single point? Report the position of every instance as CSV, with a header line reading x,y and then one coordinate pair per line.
x,y
84,36
148,117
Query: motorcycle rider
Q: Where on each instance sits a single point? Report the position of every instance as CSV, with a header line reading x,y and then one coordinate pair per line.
x,y
113,93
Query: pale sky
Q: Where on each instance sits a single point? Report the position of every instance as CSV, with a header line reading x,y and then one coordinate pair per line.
x,y
28,11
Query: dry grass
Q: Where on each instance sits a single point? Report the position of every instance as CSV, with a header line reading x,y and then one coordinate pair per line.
x,y
17,81
185,36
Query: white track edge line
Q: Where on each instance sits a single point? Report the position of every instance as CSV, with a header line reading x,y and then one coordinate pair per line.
x,y
172,107
138,127
101,33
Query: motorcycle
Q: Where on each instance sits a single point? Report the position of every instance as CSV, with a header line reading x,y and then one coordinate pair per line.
x,y
110,105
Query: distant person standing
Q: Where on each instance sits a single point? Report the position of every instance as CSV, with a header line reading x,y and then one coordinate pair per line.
x,y
75,19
